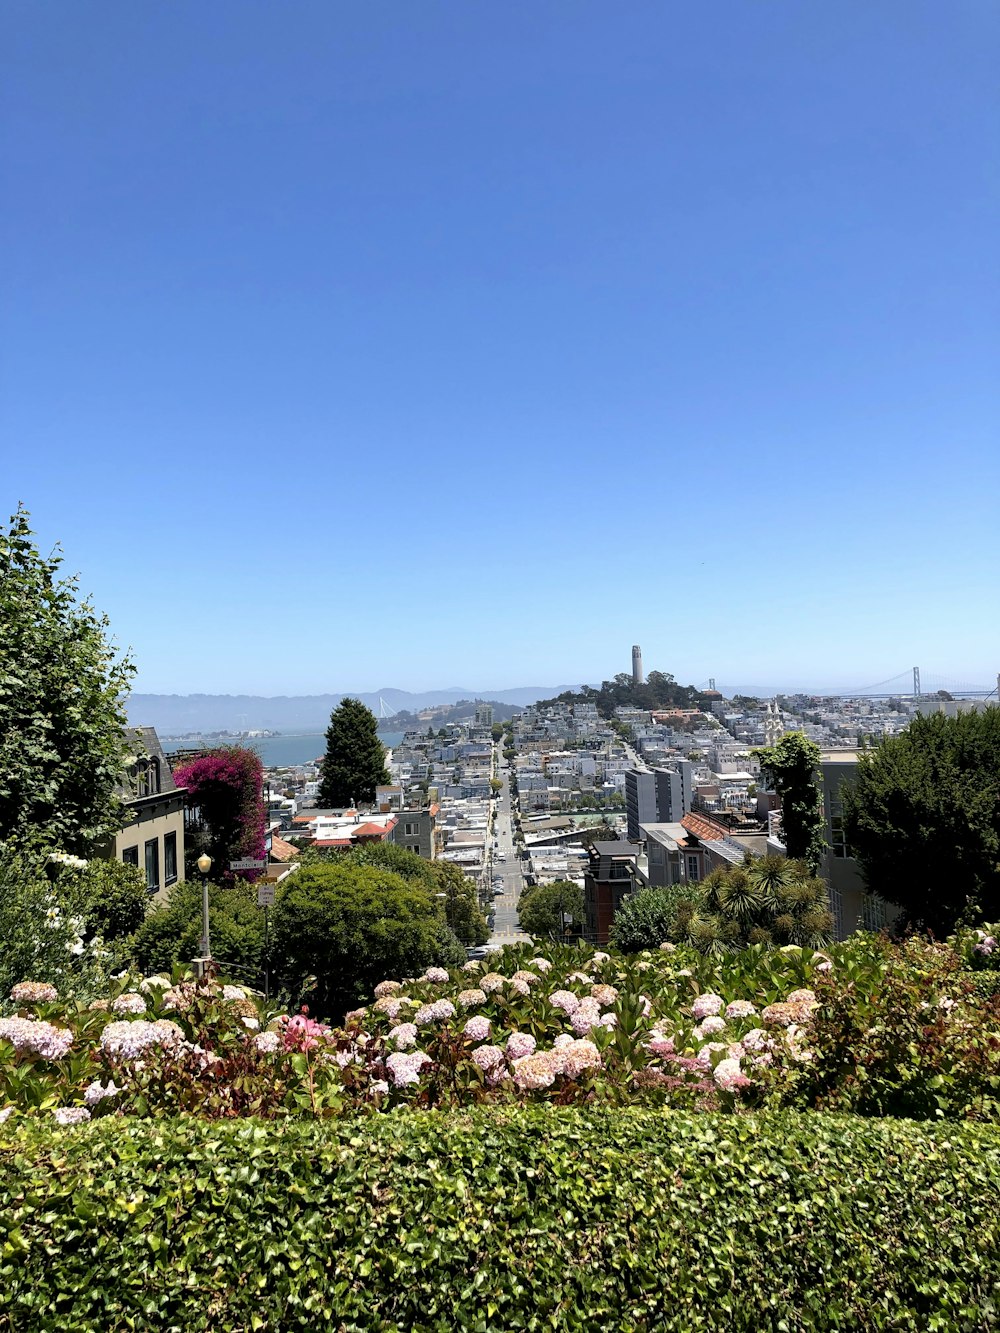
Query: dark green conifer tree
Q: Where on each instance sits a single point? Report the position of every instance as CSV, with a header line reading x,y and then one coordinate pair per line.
x,y
354,764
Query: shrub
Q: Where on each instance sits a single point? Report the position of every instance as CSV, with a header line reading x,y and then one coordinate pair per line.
x,y
647,918
529,1218
171,933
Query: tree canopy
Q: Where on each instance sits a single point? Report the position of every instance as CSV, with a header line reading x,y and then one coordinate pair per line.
x,y
350,927
542,908
922,817
354,763
659,690
63,740
791,764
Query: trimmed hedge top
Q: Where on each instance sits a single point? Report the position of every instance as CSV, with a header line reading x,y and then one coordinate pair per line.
x,y
500,1219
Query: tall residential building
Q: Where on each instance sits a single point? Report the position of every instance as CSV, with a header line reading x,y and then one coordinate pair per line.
x,y
637,677
484,715
640,800
674,792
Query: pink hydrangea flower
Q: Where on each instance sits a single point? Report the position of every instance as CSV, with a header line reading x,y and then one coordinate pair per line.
x,y
488,1058
660,1045
583,1021
404,1035
564,1000
491,982
537,1071
404,1067
578,1056
267,1042
33,992
542,964
707,1005
434,1013
469,998
756,1040
477,1028
71,1115
740,1009
709,1026
604,995
129,1003
706,1053
385,988
729,1076
520,1044
37,1037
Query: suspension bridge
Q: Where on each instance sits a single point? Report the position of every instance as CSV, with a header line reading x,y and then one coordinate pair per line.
x,y
904,685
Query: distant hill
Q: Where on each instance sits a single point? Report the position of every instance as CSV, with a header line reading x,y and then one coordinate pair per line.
x,y
184,714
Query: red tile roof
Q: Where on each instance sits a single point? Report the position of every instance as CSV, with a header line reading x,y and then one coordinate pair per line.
x,y
374,830
705,829
282,850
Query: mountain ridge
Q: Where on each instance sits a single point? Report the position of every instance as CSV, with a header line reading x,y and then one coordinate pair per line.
x,y
181,714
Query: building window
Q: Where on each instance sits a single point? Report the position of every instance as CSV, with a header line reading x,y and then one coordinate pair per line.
x,y
153,865
130,856
694,869
169,858
838,839
619,870
410,830
147,777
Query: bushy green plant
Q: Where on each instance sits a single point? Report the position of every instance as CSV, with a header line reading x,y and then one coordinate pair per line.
x,y
542,909
647,918
171,932
569,1219
51,914
349,926
910,1037
770,900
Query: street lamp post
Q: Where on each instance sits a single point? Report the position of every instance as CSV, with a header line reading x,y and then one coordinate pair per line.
x,y
204,866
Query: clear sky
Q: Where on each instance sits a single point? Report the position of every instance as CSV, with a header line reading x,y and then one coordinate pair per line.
x,y
348,345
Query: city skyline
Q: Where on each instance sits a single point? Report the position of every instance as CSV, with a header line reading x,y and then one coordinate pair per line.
x,y
410,346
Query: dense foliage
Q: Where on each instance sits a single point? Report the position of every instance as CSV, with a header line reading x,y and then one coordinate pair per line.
x,y
354,763
659,690
767,900
457,893
62,719
791,766
349,926
532,1218
225,786
923,819
171,932
66,921
543,909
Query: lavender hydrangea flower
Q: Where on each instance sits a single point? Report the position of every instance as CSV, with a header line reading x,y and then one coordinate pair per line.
x,y
96,1092
404,1035
404,1067
71,1115
707,1006
128,1039
36,1037
520,1044
729,1076
267,1042
477,1028
488,1057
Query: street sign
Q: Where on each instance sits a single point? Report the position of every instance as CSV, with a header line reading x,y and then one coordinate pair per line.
x,y
567,918
265,895
247,865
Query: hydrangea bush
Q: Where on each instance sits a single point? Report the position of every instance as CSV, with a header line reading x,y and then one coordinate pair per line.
x,y
846,1028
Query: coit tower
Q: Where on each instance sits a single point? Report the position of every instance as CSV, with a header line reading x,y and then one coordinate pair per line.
x,y
636,664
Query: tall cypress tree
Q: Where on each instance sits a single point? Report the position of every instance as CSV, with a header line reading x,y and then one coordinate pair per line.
x,y
354,763
791,766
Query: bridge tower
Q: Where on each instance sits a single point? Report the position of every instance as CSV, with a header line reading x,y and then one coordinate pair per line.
x,y
916,681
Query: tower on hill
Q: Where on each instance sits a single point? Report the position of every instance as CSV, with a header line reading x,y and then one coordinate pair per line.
x,y
636,665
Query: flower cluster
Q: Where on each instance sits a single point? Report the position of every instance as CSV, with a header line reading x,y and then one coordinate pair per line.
x,y
33,992
35,1037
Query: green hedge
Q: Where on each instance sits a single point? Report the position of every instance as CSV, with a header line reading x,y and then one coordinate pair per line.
x,y
532,1218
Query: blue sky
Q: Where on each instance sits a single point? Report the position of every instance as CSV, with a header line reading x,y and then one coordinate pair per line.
x,y
335,335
